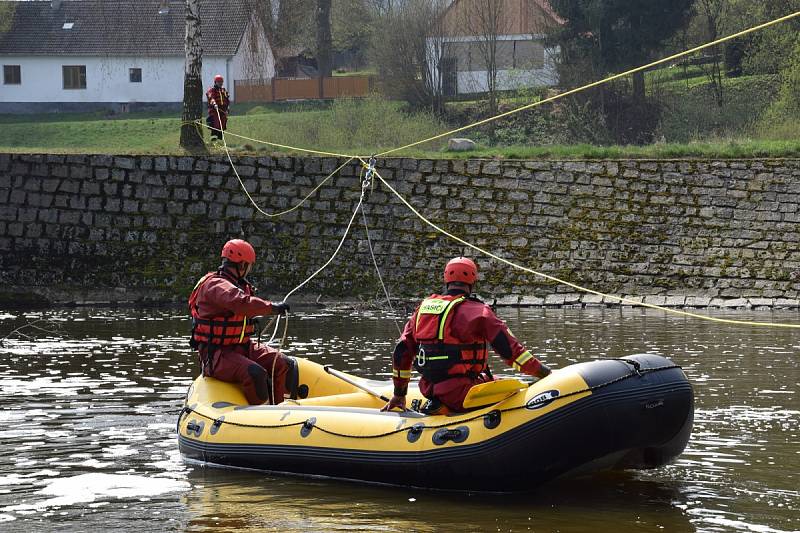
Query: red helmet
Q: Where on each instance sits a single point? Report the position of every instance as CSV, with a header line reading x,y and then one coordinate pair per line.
x,y
218,78
461,269
239,251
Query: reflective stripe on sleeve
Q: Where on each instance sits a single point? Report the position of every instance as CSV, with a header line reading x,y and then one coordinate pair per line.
x,y
402,374
522,358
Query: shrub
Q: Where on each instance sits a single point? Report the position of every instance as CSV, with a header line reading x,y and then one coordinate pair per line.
x,y
780,120
361,126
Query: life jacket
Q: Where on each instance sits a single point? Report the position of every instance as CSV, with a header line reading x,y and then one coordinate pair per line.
x,y
221,330
441,355
220,95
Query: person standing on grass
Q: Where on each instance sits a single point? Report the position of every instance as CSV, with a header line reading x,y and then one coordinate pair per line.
x,y
219,102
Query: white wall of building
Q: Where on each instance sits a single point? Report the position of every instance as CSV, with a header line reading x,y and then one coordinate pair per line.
x,y
477,81
107,79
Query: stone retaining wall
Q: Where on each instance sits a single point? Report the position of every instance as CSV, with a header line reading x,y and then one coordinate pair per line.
x,y
696,233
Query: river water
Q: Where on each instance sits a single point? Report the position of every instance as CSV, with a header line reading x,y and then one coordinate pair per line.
x,y
89,404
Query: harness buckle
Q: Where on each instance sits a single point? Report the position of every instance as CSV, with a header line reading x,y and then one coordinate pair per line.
x,y
421,357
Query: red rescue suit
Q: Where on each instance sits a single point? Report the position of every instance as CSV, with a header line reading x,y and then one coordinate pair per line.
x,y
222,307
222,330
219,96
445,339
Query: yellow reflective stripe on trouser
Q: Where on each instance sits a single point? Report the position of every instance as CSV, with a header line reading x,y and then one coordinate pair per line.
x,y
522,358
244,328
443,320
403,374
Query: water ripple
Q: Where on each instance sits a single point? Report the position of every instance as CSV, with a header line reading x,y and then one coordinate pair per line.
x,y
89,418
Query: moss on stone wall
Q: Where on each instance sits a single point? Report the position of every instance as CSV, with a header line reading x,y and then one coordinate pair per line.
x,y
156,224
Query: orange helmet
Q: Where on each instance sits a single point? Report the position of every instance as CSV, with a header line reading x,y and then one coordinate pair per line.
x,y
218,78
461,269
239,251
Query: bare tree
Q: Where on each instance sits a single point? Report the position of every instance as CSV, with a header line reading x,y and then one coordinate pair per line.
x,y
713,14
487,21
256,51
408,49
381,8
191,134
286,23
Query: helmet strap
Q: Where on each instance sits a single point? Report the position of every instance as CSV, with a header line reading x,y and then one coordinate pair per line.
x,y
233,268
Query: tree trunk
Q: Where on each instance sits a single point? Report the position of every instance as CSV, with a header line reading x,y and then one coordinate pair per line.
x,y
638,87
191,134
491,76
324,40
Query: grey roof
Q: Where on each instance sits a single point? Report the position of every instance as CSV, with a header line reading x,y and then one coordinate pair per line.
x,y
121,27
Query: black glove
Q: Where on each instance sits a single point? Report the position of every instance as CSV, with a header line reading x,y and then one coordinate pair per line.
x,y
280,308
543,371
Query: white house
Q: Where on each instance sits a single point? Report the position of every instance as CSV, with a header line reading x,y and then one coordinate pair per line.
x,y
515,28
88,54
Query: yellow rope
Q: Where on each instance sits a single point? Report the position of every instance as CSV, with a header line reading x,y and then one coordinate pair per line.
x,y
569,284
277,145
502,115
596,83
533,104
271,215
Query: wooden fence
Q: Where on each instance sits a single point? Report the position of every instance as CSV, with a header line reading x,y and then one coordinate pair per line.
x,y
279,89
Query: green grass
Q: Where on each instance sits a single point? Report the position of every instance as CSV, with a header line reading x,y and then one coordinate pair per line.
x,y
693,113
722,149
373,125
89,134
364,126
368,125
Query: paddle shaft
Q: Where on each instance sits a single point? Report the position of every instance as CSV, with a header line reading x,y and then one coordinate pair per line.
x,y
344,377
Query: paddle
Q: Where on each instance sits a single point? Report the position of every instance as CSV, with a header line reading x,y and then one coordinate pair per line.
x,y
492,392
347,379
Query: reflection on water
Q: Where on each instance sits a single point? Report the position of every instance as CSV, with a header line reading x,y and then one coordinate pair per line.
x,y
88,418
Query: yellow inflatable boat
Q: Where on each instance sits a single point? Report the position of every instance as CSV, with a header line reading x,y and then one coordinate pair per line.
x,y
634,412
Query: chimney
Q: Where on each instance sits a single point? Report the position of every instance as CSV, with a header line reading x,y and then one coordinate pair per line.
x,y
55,4
163,7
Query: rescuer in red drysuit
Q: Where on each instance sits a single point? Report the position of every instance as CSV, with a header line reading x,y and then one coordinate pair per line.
x,y
222,307
218,100
446,340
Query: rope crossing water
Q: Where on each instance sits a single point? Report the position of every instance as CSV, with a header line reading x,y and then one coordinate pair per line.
x,y
580,288
372,171
365,185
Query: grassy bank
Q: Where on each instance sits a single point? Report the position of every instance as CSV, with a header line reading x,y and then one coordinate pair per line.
x,y
366,126
693,126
